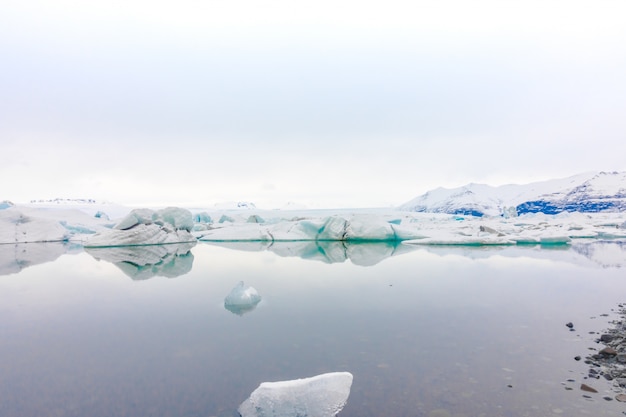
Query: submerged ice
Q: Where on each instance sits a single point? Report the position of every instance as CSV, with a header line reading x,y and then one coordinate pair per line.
x,y
323,395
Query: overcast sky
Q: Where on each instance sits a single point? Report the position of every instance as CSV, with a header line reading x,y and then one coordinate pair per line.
x,y
323,103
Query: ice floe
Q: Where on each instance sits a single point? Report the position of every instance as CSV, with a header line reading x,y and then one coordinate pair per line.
x,y
323,395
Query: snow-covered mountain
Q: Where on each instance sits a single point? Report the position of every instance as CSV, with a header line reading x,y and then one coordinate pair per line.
x,y
589,193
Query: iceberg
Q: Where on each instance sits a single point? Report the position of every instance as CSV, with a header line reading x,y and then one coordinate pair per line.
x,y
64,222
147,227
145,262
24,226
5,204
357,227
242,299
323,395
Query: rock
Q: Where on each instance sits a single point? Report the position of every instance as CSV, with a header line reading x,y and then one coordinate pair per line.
x,y
577,358
608,351
606,338
621,398
585,387
570,325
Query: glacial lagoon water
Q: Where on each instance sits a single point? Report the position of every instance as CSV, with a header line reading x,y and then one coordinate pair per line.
x,y
425,331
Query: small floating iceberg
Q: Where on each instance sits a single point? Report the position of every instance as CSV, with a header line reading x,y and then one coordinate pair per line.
x,y
242,299
323,395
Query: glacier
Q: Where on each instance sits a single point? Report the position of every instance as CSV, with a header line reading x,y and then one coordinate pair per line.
x,y
322,395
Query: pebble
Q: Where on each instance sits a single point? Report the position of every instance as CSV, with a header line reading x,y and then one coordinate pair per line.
x,y
621,398
587,388
605,338
570,325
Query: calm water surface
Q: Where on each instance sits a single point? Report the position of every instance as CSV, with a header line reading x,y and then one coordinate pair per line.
x,y
428,332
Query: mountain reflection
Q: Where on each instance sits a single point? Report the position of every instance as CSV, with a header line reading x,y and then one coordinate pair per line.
x,y
604,253
145,262
362,253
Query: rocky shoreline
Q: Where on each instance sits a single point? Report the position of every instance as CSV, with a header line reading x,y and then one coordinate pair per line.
x,y
609,362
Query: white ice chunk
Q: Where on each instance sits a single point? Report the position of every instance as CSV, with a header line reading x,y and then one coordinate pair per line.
x,y
5,204
333,229
180,218
242,299
369,227
142,234
134,218
319,396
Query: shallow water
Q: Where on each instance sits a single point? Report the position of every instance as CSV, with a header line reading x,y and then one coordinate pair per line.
x,y
425,331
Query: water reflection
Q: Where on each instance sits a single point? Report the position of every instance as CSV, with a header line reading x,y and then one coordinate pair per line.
x,y
608,254
362,254
451,336
15,257
145,262
319,396
242,299
591,254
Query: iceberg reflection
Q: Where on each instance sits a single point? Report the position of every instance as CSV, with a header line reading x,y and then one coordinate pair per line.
x,y
323,395
16,256
362,253
145,262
